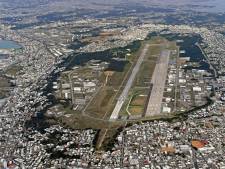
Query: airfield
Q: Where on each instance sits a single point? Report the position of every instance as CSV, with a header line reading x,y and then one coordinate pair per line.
x,y
121,97
138,92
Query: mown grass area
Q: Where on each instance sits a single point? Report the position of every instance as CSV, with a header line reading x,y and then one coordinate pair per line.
x,y
144,75
138,100
172,46
79,121
157,40
136,110
102,103
135,103
117,78
154,51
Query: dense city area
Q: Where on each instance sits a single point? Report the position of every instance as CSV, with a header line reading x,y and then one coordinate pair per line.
x,y
25,96
74,94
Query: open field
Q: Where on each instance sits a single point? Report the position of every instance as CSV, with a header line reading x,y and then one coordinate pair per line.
x,y
136,105
136,110
103,105
138,100
144,74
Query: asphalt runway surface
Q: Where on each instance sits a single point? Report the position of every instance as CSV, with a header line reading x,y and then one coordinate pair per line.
x,y
129,83
158,81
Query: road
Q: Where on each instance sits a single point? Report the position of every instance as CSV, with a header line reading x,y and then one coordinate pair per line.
x,y
158,81
194,158
129,83
215,73
71,88
207,58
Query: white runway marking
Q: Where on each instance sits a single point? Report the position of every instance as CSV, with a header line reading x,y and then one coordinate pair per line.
x,y
125,92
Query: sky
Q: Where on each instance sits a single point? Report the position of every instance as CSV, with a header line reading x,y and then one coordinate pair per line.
x,y
206,5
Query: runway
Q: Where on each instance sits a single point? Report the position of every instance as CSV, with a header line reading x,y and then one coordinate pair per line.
x,y
129,83
158,81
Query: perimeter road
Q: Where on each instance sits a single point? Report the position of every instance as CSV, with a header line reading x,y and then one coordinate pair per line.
x,y
125,92
158,81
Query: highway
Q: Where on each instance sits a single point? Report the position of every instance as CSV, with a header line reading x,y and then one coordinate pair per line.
x,y
71,88
126,89
215,73
158,81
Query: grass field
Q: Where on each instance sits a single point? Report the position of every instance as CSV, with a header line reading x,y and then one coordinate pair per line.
x,y
138,100
101,105
136,110
144,75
